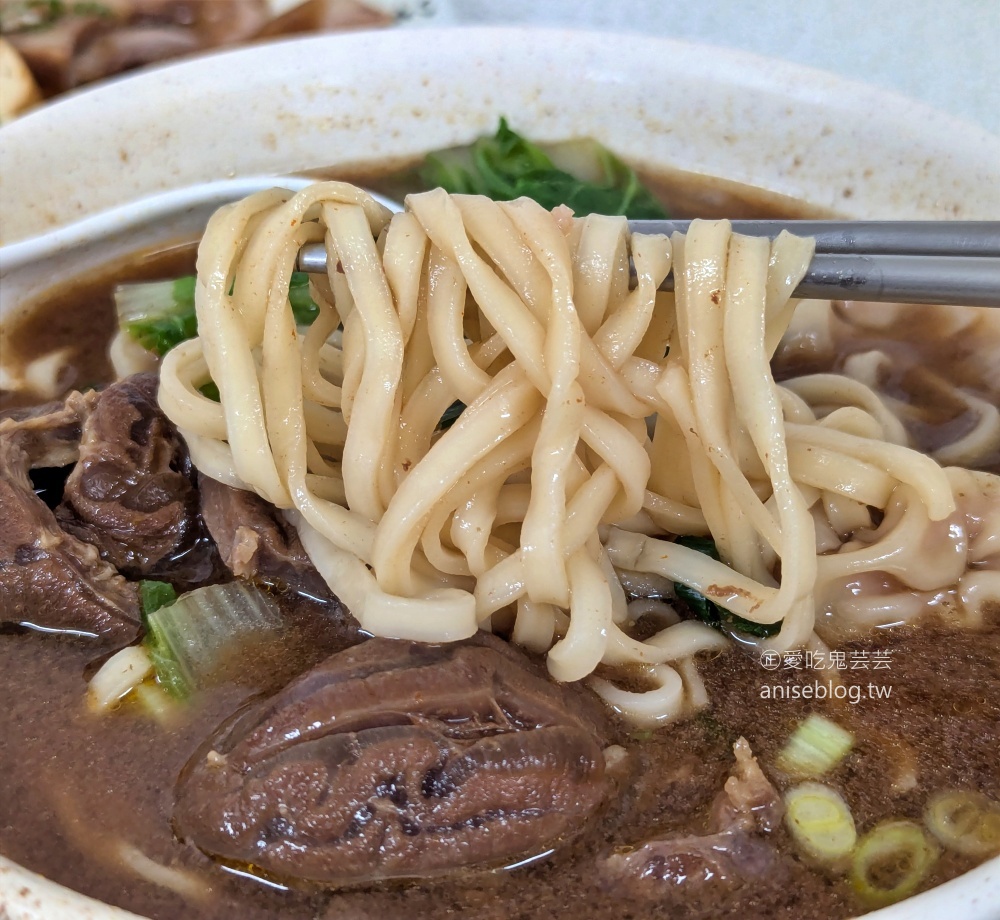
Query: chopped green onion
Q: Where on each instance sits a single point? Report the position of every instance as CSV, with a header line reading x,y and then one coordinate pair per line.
x,y
191,640
711,613
815,748
966,822
508,166
820,823
890,862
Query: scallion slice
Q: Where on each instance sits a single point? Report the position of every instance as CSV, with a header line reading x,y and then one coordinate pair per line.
x,y
820,823
890,861
964,821
815,748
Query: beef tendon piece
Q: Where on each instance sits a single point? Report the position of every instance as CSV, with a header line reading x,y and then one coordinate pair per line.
x,y
50,434
394,759
133,493
49,579
694,868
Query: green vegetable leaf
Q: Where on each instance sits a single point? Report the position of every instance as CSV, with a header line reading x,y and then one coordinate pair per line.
x,y
704,545
303,306
189,640
210,390
451,414
154,595
161,333
708,612
507,166
160,314
183,290
168,673
438,172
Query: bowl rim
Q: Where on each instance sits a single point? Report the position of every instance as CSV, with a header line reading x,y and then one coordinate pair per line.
x,y
32,148
927,144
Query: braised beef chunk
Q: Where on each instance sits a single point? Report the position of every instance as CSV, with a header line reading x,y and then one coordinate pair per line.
x,y
732,853
68,44
394,759
255,541
48,578
133,492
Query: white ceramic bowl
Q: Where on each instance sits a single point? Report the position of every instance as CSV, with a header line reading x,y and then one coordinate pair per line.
x,y
390,96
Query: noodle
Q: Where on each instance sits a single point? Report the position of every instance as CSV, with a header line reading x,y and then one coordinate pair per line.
x,y
599,420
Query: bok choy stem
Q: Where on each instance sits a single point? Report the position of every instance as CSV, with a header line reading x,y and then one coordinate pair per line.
x,y
192,639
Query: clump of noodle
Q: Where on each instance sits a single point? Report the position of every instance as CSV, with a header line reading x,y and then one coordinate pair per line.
x,y
599,419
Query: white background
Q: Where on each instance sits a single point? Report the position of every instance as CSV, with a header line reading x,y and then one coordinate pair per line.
x,y
943,52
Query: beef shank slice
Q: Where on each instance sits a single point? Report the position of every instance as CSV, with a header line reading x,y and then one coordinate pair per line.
x,y
256,542
48,578
395,759
133,493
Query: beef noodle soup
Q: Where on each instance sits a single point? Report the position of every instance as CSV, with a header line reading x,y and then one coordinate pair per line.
x,y
432,586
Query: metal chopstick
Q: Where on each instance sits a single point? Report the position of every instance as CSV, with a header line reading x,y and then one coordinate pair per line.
x,y
971,281
869,237
936,262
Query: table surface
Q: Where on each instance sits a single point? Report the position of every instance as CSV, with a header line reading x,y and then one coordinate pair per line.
x,y
946,54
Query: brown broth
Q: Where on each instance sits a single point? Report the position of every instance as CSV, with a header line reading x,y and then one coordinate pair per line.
x,y
930,364
87,782
81,316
